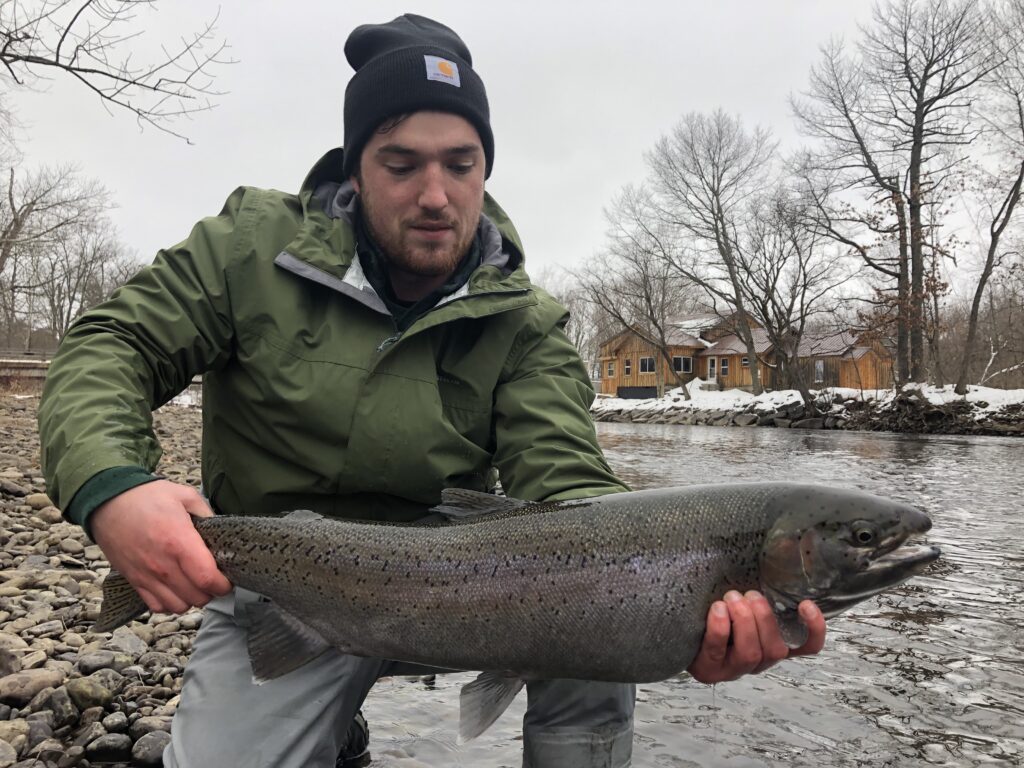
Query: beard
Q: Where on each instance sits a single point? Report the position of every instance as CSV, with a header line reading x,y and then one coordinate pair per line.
x,y
406,247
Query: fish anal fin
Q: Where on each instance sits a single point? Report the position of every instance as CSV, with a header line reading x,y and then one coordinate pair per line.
x,y
279,643
121,603
461,504
482,701
793,629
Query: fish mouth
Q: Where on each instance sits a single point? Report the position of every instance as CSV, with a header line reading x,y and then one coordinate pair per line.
x,y
893,566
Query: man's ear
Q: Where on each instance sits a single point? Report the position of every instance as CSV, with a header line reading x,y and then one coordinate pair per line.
x,y
355,183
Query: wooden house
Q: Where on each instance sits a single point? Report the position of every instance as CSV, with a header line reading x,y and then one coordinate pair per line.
x,y
844,359
632,365
727,361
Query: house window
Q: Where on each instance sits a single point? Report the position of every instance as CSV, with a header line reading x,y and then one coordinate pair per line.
x,y
627,367
611,370
646,365
724,367
819,371
682,364
711,369
745,362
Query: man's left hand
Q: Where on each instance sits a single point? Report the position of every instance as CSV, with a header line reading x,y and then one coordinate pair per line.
x,y
756,640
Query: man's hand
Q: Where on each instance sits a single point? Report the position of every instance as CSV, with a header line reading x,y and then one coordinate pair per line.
x,y
147,534
756,641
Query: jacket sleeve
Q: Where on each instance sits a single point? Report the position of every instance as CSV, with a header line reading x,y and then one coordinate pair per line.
x,y
134,352
545,443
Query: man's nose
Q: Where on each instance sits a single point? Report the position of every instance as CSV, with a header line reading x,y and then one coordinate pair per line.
x,y
433,195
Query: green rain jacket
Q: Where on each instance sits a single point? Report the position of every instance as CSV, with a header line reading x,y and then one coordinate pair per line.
x,y
311,398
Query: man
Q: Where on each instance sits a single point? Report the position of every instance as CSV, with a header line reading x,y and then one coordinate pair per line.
x,y
364,344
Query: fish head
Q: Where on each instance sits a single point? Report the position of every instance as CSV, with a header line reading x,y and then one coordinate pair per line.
x,y
838,547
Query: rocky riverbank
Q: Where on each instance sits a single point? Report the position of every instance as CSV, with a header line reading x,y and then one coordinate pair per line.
x,y
69,696
915,409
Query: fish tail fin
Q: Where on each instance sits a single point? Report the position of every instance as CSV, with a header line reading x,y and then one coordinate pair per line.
x,y
482,701
121,603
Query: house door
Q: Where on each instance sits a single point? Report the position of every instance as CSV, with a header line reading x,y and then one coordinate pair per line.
x,y
711,368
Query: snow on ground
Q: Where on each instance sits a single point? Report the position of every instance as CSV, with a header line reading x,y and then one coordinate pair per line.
x,y
705,397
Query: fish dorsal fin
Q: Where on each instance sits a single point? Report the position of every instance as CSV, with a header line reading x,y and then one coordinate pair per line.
x,y
121,603
462,504
279,642
482,701
300,515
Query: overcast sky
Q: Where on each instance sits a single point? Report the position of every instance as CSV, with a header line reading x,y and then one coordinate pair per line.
x,y
578,92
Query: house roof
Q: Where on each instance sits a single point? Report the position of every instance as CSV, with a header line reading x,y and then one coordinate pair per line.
x,y
733,344
826,344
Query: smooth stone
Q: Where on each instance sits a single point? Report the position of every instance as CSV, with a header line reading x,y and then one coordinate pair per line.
x,y
90,716
157,660
8,755
111,747
149,749
38,731
8,640
64,710
86,692
38,501
72,546
72,757
93,552
46,628
19,688
191,621
10,662
127,642
109,679
145,725
73,640
15,732
89,734
116,722
33,659
50,515
49,750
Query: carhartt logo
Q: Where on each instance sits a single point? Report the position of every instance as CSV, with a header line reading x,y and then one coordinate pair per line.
x,y
443,70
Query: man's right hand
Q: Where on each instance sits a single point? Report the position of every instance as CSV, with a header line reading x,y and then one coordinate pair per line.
x,y
147,534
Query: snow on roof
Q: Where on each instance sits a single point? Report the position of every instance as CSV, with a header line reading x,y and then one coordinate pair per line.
x,y
733,345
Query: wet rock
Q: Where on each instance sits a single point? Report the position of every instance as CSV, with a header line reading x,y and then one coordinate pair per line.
x,y
19,688
149,749
50,515
745,419
814,423
72,546
49,750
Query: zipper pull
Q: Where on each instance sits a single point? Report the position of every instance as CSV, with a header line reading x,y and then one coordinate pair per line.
x,y
388,342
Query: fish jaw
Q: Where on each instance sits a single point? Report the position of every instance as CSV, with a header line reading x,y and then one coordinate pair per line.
x,y
838,550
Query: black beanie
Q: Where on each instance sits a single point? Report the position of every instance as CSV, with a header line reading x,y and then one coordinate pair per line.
x,y
410,64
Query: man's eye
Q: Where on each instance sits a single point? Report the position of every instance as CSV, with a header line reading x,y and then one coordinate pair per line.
x,y
462,168
399,170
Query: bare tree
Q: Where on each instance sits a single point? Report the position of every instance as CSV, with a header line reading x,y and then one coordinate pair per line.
x,y
1000,188
704,174
37,211
633,283
96,42
892,121
790,273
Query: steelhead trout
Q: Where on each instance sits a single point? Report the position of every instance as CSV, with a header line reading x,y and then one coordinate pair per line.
x,y
614,588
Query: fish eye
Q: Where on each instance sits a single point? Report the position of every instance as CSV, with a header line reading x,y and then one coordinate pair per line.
x,y
863,535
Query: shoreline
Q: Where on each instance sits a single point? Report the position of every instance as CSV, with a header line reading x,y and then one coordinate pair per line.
x,y
916,409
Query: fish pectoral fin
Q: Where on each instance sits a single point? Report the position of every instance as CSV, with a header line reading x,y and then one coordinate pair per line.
x,y
121,603
459,504
279,643
793,629
482,701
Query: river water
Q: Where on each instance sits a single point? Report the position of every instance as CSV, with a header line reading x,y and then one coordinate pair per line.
x,y
928,674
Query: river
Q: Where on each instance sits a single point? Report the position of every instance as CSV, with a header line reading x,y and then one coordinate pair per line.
x,y
928,674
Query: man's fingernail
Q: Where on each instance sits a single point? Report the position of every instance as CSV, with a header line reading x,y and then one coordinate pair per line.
x,y
720,610
806,611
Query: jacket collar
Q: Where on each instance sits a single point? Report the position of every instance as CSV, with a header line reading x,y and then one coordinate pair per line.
x,y
324,249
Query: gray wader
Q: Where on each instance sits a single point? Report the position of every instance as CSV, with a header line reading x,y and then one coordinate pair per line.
x,y
300,720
